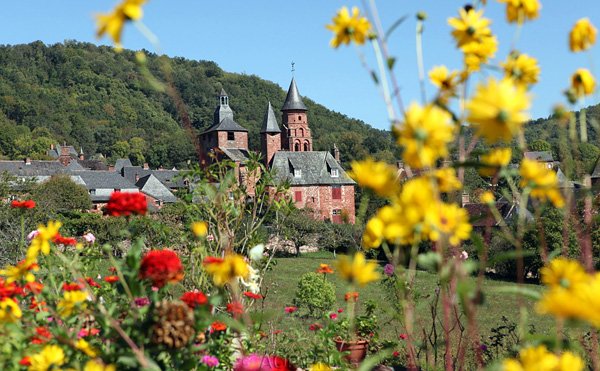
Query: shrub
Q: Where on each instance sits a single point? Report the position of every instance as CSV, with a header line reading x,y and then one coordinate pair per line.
x,y
315,293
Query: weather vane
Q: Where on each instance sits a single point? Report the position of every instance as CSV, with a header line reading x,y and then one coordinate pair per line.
x,y
293,68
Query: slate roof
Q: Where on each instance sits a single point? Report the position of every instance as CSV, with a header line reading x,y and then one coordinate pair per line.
x,y
35,168
227,124
596,172
55,153
151,186
543,156
480,216
235,154
315,168
170,178
121,163
563,182
74,165
92,164
293,100
95,179
270,124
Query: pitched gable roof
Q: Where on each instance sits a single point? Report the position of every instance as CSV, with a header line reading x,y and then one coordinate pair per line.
x,y
95,179
151,186
121,163
227,124
314,168
543,156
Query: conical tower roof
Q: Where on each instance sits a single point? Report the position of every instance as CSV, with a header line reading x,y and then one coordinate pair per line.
x,y
223,93
270,124
293,101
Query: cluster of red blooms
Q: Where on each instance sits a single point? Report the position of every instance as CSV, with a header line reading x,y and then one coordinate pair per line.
x,y
9,290
290,309
236,308
67,241
218,326
73,286
126,203
252,295
90,281
351,296
42,335
194,299
111,279
26,204
161,267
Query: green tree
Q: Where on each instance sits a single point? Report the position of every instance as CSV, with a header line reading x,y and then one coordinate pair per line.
x,y
540,145
120,149
61,194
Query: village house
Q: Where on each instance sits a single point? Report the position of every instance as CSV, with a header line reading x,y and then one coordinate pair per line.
x,y
317,180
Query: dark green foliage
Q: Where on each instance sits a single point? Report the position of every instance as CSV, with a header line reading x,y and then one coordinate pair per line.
x,y
60,194
315,294
95,98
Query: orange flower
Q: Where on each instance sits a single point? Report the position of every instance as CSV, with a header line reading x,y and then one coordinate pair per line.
x,y
325,269
111,279
218,326
351,296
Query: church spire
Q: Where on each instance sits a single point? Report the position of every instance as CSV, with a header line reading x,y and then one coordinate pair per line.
x,y
270,124
293,101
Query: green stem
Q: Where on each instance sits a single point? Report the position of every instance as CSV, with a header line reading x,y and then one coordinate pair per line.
x,y
420,64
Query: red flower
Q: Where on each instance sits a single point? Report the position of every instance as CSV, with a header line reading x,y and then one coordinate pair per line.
x,y
126,203
351,296
10,290
42,335
276,363
73,286
37,306
252,295
87,332
290,309
25,361
90,281
194,299
34,287
236,308
277,332
161,267
341,310
111,279
396,354
67,241
218,326
333,316
315,327
27,204
403,336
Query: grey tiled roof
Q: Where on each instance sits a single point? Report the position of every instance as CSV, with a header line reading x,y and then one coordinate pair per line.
x,y
92,164
74,165
235,154
121,163
55,153
293,100
596,172
34,168
227,124
270,124
95,179
544,156
170,178
151,186
315,168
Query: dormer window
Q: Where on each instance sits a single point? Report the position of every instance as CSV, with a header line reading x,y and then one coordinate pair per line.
x,y
297,173
230,135
335,173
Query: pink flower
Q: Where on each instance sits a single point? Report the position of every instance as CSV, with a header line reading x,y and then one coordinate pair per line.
x,y
290,309
341,310
403,336
141,302
89,238
210,361
464,255
32,234
210,238
333,316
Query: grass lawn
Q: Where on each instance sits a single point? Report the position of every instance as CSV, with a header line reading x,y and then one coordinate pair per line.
x,y
281,284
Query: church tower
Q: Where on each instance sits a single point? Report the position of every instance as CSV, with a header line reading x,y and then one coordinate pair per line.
x,y
270,136
296,134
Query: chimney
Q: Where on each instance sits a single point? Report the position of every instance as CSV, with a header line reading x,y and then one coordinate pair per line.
x,y
52,146
137,177
111,168
336,152
160,167
64,151
27,161
146,167
465,199
81,156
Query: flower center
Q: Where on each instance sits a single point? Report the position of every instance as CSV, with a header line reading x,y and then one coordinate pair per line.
x,y
421,134
471,30
503,116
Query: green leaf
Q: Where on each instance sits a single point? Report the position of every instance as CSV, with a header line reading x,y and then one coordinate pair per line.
x,y
390,63
374,77
394,26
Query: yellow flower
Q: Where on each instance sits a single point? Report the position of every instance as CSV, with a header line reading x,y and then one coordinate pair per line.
x,y
70,300
540,359
469,27
448,221
112,23
443,79
21,271
446,180
498,110
200,229
225,270
51,357
563,272
98,365
478,53
382,178
523,69
542,181
570,362
320,367
9,311
416,198
348,28
521,10
395,230
357,270
41,242
494,160
487,197
86,348
373,235
582,36
424,135
583,83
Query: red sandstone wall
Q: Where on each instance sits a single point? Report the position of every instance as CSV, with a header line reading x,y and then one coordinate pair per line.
x,y
240,141
319,199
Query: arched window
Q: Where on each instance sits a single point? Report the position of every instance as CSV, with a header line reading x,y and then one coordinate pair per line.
x,y
297,147
301,132
306,147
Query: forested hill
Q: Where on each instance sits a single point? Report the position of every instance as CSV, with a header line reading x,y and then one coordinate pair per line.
x,y
95,98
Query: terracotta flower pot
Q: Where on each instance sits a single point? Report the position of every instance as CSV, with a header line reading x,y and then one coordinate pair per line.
x,y
357,350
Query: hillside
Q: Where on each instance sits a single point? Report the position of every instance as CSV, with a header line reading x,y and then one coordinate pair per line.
x,y
92,97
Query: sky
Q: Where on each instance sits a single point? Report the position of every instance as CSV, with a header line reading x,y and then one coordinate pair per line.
x,y
263,37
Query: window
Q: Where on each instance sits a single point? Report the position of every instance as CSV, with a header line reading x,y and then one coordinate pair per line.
x,y
305,146
92,191
230,135
297,147
298,196
297,173
117,190
299,118
335,173
336,192
336,218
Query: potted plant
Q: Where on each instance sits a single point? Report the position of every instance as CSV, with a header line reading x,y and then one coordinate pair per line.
x,y
353,333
